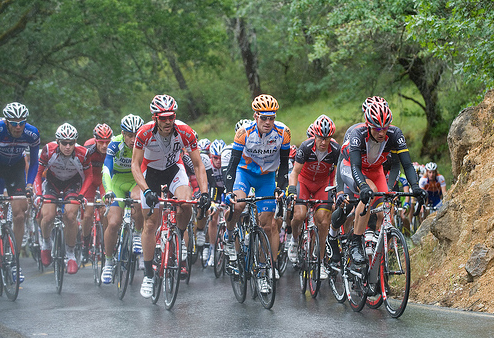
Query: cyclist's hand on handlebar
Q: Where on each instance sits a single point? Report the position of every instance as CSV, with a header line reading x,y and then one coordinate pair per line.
x,y
109,196
29,192
37,200
421,195
229,198
341,199
365,193
151,198
278,193
204,201
82,199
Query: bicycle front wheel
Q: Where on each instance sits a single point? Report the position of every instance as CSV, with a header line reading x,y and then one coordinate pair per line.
x,y
172,269
96,252
219,250
302,261
122,268
395,274
336,281
314,263
78,247
59,257
282,261
9,262
263,269
238,276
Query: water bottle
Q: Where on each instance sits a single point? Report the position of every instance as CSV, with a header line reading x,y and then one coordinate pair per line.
x,y
246,239
369,242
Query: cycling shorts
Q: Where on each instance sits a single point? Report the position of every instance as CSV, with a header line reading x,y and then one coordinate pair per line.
x,y
376,176
54,188
120,185
264,185
174,176
309,189
14,177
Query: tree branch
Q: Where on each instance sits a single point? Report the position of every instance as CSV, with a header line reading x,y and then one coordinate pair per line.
x,y
20,25
413,100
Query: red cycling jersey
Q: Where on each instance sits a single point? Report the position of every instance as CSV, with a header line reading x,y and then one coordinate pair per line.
x,y
61,168
97,159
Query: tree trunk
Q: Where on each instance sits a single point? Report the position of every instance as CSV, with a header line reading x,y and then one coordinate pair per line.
x,y
246,42
191,104
415,67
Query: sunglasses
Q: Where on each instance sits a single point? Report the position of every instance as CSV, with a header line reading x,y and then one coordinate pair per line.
x,y
166,118
381,129
17,123
67,143
264,118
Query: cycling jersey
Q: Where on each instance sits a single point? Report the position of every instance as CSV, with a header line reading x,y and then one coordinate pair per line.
x,y
97,160
61,169
317,166
160,152
117,174
216,173
261,153
433,188
12,149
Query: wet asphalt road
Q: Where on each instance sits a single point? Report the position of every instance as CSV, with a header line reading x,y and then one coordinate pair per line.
x,y
207,308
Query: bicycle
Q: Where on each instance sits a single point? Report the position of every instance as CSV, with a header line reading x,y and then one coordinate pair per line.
x,y
254,258
219,245
388,271
308,255
123,255
282,255
421,213
9,257
96,244
168,253
58,249
33,232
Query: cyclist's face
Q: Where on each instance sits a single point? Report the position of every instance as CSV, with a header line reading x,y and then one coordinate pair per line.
x,y
102,145
129,139
66,147
16,127
322,143
265,123
379,134
165,124
216,160
431,174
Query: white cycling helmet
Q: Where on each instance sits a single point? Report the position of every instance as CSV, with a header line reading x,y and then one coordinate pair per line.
x,y
241,123
131,123
431,166
15,110
66,132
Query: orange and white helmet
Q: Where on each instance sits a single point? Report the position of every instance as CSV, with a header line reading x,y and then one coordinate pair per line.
x,y
265,105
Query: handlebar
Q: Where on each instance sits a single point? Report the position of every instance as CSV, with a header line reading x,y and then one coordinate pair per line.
x,y
392,195
63,202
247,200
164,201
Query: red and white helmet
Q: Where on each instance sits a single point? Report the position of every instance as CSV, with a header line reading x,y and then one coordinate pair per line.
x,y
370,100
324,126
310,131
66,132
163,105
378,115
102,132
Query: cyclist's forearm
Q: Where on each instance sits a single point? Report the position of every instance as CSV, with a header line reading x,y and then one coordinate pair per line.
x,y
232,169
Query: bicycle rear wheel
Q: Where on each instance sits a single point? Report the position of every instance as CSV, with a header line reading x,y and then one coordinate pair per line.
x,y
96,252
302,261
158,275
263,269
395,274
282,261
238,276
356,290
191,248
59,257
172,269
78,247
336,281
122,268
314,263
9,261
219,250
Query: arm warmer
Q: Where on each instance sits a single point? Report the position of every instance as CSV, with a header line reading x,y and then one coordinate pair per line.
x,y
282,181
231,170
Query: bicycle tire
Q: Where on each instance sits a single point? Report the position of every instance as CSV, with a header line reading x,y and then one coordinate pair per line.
x,y
200,252
395,274
356,292
36,250
191,247
78,247
171,273
301,261
59,258
158,275
97,252
122,267
335,276
263,268
282,261
238,276
219,250
9,260
314,263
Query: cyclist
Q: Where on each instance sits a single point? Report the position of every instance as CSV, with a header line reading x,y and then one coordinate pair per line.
x,y
68,175
434,184
226,153
259,150
364,150
312,172
157,151
18,136
118,180
203,145
96,150
212,164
